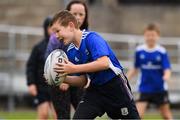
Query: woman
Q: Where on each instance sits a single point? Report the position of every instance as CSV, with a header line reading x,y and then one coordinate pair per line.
x,y
63,95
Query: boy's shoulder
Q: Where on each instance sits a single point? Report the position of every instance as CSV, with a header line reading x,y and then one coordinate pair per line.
x,y
158,48
140,47
92,36
87,34
161,49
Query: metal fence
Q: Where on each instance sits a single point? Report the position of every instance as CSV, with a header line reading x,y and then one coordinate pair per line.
x,y
16,43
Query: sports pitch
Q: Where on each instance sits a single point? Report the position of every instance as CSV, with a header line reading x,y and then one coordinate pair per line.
x,y
31,114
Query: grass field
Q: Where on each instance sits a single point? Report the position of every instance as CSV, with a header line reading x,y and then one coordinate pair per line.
x,y
31,114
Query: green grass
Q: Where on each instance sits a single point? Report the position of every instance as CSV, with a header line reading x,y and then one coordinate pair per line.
x,y
148,116
18,115
31,114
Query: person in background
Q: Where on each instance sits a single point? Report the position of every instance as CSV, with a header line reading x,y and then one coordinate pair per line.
x,y
34,72
152,61
64,95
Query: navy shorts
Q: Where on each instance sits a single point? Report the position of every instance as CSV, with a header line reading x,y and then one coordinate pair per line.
x,y
113,98
42,96
158,99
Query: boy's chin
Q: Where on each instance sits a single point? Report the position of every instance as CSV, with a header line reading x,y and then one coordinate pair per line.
x,y
66,43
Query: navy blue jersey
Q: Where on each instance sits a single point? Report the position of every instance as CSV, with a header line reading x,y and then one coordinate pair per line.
x,y
152,63
92,47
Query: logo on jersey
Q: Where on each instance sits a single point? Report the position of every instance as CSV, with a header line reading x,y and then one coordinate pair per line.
x,y
81,102
87,52
149,63
124,111
142,56
158,58
76,59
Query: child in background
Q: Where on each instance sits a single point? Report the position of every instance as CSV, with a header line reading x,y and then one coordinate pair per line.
x,y
152,61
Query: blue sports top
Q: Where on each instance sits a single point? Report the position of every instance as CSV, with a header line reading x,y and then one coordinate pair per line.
x,y
152,63
92,47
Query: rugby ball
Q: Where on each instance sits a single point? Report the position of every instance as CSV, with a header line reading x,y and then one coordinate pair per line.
x,y
53,78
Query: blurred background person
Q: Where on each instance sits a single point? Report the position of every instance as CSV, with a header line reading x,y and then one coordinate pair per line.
x,y
152,61
35,70
64,95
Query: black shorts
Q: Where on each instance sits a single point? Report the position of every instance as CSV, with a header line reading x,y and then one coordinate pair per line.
x,y
111,98
155,98
42,96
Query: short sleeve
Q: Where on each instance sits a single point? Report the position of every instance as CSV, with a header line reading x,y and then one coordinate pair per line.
x,y
97,46
136,60
165,61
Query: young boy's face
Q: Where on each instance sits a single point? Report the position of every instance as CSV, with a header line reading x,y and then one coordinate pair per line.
x,y
151,37
63,33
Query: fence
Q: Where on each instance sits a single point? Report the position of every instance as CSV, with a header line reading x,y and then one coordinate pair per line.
x,y
16,43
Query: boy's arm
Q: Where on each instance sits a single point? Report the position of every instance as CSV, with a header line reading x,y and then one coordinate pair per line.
x,y
166,66
131,73
101,63
167,74
79,81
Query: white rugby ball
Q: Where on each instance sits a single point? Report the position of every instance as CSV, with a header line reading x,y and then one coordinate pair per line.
x,y
52,77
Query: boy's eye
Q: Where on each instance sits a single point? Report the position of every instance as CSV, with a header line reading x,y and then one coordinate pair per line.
x,y
57,31
75,14
81,14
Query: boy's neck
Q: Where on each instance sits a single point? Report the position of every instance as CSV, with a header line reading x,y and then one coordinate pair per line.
x,y
78,37
151,46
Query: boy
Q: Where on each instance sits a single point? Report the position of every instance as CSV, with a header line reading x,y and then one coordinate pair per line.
x,y
153,62
89,53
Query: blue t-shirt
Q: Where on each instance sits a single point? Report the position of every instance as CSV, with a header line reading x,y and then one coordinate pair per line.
x,y
92,47
152,63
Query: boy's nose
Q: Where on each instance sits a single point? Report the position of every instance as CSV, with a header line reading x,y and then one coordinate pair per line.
x,y
56,35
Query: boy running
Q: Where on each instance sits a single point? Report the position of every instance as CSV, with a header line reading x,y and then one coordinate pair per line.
x,y
89,54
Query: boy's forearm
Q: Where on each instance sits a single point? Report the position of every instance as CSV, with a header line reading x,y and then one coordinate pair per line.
x,y
98,65
167,74
79,81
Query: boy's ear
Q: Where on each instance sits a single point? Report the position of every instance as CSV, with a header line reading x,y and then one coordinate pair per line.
x,y
71,25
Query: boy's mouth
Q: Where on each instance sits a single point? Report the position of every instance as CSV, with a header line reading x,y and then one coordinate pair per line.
x,y
61,38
